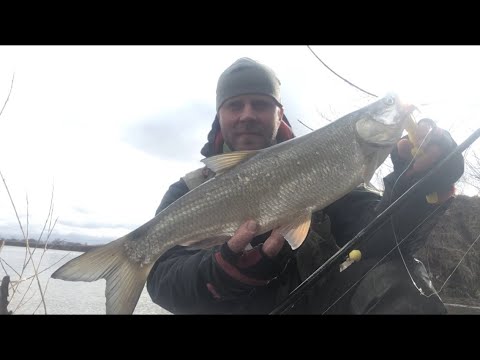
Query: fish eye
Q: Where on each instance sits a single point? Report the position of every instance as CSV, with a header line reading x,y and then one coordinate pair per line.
x,y
389,100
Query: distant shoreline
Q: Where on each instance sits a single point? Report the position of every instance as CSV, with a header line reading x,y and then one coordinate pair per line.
x,y
63,245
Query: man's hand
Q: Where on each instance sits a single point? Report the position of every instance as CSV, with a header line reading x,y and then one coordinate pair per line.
x,y
428,150
431,144
246,232
241,270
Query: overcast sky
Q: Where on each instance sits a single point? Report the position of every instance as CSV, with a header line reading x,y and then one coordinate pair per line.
x,y
111,127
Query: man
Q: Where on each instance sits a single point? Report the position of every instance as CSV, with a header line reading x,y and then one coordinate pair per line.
x,y
250,274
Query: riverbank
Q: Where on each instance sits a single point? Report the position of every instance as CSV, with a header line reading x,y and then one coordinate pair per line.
x,y
57,245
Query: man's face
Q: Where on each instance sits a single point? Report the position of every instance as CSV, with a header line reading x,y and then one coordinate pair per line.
x,y
250,122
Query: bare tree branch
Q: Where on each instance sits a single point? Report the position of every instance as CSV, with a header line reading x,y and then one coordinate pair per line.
x,y
8,97
308,127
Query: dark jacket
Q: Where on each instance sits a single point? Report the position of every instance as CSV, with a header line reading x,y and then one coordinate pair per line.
x,y
398,282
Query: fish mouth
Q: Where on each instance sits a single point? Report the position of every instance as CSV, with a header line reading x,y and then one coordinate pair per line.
x,y
380,134
395,117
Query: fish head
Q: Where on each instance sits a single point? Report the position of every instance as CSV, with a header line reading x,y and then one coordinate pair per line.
x,y
379,127
381,124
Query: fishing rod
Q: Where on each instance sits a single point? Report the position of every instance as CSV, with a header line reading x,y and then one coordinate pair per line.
x,y
367,231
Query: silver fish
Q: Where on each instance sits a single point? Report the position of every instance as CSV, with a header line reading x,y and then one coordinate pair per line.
x,y
279,187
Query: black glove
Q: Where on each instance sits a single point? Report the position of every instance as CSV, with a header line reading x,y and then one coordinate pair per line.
x,y
437,145
229,275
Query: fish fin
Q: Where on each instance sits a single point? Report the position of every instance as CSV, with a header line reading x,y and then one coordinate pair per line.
x,y
223,162
206,243
124,279
370,169
374,161
296,231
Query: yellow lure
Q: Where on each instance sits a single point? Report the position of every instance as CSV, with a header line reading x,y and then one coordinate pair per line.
x,y
411,128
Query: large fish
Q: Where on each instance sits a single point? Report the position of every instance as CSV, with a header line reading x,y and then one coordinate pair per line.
x,y
279,187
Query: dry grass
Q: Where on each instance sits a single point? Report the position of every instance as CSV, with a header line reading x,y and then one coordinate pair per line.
x,y
451,254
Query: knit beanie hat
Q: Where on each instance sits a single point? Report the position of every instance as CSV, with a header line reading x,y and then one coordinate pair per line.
x,y
247,76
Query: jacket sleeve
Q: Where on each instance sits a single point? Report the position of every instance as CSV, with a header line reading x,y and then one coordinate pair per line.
x,y
408,227
175,283
351,213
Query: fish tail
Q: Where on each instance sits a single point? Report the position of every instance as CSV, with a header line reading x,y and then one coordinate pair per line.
x,y
125,279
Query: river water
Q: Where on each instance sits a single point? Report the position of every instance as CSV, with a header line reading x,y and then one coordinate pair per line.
x,y
61,297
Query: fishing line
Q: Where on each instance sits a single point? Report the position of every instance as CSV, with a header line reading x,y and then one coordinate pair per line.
x,y
341,77
415,156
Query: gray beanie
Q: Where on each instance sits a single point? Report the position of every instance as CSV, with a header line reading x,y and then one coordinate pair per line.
x,y
246,76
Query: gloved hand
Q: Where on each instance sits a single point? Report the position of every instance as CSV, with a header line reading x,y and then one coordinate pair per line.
x,y
237,271
434,145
